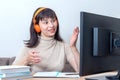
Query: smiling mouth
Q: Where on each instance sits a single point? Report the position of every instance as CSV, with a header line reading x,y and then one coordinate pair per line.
x,y
52,30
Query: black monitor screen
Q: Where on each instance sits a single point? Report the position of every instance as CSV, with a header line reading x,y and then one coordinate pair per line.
x,y
99,43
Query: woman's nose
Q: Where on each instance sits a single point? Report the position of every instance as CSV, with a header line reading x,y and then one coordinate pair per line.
x,y
51,24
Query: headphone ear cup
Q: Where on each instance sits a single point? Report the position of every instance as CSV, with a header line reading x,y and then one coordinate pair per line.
x,y
37,28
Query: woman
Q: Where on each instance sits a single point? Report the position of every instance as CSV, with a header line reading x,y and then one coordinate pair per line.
x,y
46,51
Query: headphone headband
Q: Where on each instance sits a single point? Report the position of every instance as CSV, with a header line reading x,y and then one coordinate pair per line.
x,y
36,26
36,13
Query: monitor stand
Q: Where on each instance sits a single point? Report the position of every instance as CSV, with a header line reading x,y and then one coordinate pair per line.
x,y
116,77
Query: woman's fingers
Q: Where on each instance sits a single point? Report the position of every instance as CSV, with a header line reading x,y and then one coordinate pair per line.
x,y
34,57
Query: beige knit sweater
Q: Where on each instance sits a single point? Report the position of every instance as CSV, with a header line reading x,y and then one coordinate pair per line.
x,y
53,55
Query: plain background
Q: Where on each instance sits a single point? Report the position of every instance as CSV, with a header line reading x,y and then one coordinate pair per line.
x,y
16,15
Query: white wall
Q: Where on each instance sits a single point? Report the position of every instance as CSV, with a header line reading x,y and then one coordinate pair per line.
x,y
15,18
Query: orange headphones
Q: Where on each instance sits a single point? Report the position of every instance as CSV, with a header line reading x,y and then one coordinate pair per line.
x,y
36,26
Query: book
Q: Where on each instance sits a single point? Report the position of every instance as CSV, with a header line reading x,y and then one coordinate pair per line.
x,y
11,69
17,78
7,75
57,74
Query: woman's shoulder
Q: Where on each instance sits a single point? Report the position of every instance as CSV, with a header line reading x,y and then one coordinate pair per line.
x,y
25,48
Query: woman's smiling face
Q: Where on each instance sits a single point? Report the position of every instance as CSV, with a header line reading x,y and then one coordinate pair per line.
x,y
48,27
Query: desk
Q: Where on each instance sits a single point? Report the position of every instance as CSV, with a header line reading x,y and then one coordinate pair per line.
x,y
55,79
81,78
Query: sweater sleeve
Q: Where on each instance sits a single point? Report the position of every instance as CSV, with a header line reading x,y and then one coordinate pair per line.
x,y
68,52
70,57
21,58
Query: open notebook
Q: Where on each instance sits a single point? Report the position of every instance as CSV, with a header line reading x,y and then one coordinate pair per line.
x,y
57,74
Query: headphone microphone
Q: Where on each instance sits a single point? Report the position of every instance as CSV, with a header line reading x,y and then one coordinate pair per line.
x,y
36,26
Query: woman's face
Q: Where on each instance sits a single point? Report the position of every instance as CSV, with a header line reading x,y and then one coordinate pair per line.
x,y
48,27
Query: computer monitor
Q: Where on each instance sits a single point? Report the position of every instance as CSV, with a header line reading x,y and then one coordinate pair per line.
x,y
99,43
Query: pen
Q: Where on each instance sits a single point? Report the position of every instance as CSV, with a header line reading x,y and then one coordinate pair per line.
x,y
71,74
57,74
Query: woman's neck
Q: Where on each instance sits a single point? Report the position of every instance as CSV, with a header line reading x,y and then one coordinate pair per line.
x,y
45,37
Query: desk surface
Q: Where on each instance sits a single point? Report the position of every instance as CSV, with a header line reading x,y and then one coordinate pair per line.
x,y
101,76
55,79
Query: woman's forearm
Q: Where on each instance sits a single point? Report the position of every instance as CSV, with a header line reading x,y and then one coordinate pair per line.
x,y
76,55
23,62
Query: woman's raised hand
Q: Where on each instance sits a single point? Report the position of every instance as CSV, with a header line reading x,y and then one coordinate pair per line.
x,y
74,37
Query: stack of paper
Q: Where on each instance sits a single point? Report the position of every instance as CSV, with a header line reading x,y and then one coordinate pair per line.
x,y
13,72
57,74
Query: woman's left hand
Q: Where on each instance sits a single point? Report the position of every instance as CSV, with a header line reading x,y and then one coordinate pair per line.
x,y
74,37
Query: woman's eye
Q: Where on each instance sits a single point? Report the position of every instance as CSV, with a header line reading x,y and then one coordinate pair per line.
x,y
53,20
45,22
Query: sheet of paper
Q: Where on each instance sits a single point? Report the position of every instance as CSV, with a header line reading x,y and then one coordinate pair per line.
x,y
57,74
46,74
